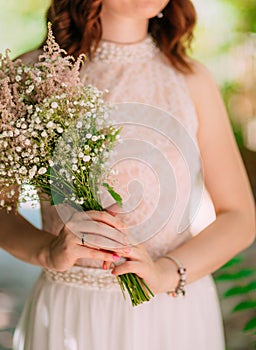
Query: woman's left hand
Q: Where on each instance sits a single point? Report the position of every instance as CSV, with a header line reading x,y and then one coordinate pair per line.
x,y
159,275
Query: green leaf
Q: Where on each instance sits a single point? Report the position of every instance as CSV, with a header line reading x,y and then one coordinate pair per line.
x,y
113,193
250,325
244,273
245,305
57,199
251,287
237,290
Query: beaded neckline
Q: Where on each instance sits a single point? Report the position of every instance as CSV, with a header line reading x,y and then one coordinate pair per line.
x,y
109,52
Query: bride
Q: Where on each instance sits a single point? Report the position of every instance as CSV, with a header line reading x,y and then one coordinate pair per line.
x,y
137,50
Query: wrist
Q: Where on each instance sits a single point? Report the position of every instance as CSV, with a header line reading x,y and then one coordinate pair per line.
x,y
169,277
43,254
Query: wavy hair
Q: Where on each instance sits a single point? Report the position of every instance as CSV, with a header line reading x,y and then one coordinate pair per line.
x,y
77,28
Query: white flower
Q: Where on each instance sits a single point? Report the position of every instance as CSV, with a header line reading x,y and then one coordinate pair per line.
x,y
32,172
18,78
60,130
50,124
86,158
51,163
18,149
80,155
74,167
79,124
44,134
30,89
88,136
54,105
27,142
42,171
94,138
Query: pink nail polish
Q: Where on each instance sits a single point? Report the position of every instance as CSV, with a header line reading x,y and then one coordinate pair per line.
x,y
116,257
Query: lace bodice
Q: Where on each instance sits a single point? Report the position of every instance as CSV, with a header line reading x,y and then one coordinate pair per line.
x,y
161,139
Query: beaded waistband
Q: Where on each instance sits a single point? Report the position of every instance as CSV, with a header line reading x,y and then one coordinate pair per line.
x,y
83,276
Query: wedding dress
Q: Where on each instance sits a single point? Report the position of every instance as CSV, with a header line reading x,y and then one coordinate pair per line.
x,y
83,308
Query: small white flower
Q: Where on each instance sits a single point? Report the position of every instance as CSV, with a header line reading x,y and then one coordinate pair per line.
x,y
44,134
18,149
32,172
79,124
80,155
60,130
42,171
88,136
27,142
30,89
51,163
54,105
86,158
18,78
94,138
74,167
50,124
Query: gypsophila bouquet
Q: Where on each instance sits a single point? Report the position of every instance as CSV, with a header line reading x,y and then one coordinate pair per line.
x,y
55,135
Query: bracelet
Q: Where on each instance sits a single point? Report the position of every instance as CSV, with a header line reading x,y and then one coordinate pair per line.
x,y
179,290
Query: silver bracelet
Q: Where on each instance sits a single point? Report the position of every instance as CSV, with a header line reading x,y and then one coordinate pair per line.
x,y
179,290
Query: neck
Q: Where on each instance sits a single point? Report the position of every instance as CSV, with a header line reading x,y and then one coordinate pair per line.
x,y
122,30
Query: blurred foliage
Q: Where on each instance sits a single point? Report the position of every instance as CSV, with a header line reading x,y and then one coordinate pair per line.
x,y
247,14
243,288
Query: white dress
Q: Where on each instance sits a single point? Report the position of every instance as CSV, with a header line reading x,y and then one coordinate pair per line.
x,y
83,308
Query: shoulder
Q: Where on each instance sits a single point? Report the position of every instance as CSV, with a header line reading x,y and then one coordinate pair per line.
x,y
200,79
202,86
31,56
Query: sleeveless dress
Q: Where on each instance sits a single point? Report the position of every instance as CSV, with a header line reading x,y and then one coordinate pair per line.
x,y
83,308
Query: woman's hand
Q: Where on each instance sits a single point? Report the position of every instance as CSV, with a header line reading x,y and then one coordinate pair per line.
x,y
62,251
160,275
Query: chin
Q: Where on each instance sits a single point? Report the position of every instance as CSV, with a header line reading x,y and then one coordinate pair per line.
x,y
139,9
149,9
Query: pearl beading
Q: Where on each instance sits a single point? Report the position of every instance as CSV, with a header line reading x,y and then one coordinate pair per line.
x,y
109,52
80,276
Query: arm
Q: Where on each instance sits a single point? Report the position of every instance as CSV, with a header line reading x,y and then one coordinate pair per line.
x,y
25,242
227,183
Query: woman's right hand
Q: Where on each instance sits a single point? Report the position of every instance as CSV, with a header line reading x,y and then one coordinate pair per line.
x,y
62,252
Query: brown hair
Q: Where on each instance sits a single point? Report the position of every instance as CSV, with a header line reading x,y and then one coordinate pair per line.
x,y
77,28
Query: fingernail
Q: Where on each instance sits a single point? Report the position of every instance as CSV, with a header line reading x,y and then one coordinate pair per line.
x,y
116,257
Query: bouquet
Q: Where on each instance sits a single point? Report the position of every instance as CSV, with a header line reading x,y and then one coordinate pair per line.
x,y
55,135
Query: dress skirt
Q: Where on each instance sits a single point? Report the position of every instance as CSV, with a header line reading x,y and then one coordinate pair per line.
x,y
84,309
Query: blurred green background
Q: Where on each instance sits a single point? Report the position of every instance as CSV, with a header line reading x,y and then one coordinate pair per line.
x,y
225,41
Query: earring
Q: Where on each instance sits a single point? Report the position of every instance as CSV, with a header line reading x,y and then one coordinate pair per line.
x,y
160,15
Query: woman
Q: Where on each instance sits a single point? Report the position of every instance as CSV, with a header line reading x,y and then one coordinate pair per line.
x,y
65,310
